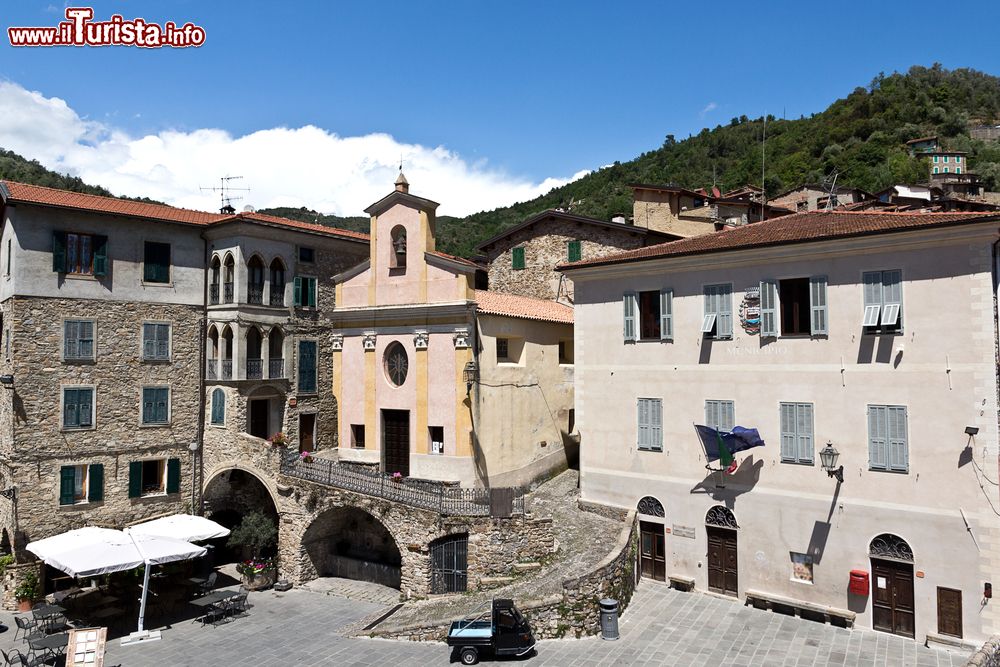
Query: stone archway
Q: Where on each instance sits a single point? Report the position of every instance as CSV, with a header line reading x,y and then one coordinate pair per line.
x,y
351,543
228,495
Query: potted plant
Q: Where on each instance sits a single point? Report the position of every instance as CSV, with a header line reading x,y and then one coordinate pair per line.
x,y
27,591
278,439
306,457
397,477
256,533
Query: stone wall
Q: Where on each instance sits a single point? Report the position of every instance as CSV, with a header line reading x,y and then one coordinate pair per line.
x,y
38,444
988,655
545,246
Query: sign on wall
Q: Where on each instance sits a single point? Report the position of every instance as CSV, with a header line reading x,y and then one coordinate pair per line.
x,y
683,531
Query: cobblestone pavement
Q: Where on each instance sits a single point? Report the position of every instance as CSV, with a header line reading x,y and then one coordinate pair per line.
x,y
360,591
583,538
661,627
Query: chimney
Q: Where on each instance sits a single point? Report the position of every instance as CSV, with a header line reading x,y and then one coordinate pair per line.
x,y
402,185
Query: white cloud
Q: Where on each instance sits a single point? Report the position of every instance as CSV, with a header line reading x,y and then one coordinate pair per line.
x,y
711,106
303,166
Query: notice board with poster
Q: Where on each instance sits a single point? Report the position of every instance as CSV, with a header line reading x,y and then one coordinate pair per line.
x,y
86,647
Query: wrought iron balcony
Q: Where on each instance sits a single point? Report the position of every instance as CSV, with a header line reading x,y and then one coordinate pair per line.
x,y
227,369
212,370
213,294
255,294
275,368
255,369
227,293
277,296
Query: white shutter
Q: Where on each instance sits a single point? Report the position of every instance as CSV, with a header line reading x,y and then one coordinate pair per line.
x,y
629,308
873,297
804,431
724,323
708,323
768,309
643,424
877,437
892,297
667,314
712,414
817,305
788,446
727,417
897,444
656,424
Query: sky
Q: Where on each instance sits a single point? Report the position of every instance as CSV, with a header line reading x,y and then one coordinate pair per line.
x,y
315,103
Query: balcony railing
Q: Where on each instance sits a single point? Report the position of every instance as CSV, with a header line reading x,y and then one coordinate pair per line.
x,y
275,368
496,502
227,293
227,369
255,369
255,294
212,370
277,296
213,294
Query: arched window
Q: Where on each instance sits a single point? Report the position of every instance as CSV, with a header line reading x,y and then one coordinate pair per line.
x,y
228,276
219,407
255,280
397,258
213,286
720,516
650,506
890,547
276,296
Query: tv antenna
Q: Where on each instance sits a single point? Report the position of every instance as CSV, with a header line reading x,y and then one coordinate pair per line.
x,y
830,187
224,189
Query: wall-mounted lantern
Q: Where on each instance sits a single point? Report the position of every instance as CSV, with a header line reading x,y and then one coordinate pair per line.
x,y
828,457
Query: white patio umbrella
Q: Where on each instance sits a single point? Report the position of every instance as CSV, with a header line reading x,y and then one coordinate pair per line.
x,y
87,552
181,527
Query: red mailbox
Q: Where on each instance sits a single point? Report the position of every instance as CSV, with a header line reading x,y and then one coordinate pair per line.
x,y
859,582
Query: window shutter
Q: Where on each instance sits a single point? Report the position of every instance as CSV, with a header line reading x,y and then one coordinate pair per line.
x,y
768,309
70,413
629,306
804,432
573,253
71,338
727,420
873,297
667,314
898,450
307,365
712,414
163,341
724,323
517,258
892,297
218,407
643,424
148,405
817,305
162,403
148,341
85,403
173,475
67,485
100,255
59,252
85,342
876,437
656,425
311,284
297,292
788,447
134,479
95,492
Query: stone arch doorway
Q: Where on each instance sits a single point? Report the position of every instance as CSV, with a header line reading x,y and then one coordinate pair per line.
x,y
652,539
265,412
892,585
723,555
349,542
228,497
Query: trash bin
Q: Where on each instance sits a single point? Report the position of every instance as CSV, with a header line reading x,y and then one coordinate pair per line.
x,y
609,619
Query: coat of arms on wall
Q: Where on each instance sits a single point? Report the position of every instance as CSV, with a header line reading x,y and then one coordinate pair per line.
x,y
750,310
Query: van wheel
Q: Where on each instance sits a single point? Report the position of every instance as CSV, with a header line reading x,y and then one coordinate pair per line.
x,y
469,656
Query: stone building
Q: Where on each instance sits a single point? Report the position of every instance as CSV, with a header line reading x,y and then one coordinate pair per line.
x,y
869,337
415,347
815,197
141,340
522,259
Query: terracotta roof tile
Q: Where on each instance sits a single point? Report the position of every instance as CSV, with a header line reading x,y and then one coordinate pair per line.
x,y
498,303
460,260
797,228
36,194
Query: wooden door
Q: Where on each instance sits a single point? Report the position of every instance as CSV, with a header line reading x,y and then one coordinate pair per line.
x,y
307,432
259,409
652,554
892,597
723,563
396,441
949,609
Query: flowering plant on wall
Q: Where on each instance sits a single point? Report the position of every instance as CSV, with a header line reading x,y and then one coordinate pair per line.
x,y
278,439
306,457
251,567
397,477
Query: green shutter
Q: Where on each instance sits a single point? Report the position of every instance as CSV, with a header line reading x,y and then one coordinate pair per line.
x,y
173,475
67,484
297,292
134,479
218,407
59,252
311,285
574,251
95,492
517,258
100,255
307,366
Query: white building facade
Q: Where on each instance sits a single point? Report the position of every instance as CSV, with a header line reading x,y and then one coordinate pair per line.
x,y
875,333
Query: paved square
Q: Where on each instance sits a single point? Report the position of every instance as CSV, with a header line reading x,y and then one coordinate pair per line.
x,y
661,627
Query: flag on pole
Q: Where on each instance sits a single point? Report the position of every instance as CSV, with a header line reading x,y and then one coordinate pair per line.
x,y
721,446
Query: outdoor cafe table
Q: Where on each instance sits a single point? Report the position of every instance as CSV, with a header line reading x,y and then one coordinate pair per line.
x,y
46,610
213,598
54,644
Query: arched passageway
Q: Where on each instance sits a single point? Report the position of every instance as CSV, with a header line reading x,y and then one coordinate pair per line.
x,y
351,543
228,497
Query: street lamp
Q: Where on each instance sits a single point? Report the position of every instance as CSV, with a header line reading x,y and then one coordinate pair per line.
x,y
471,375
828,459
193,448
